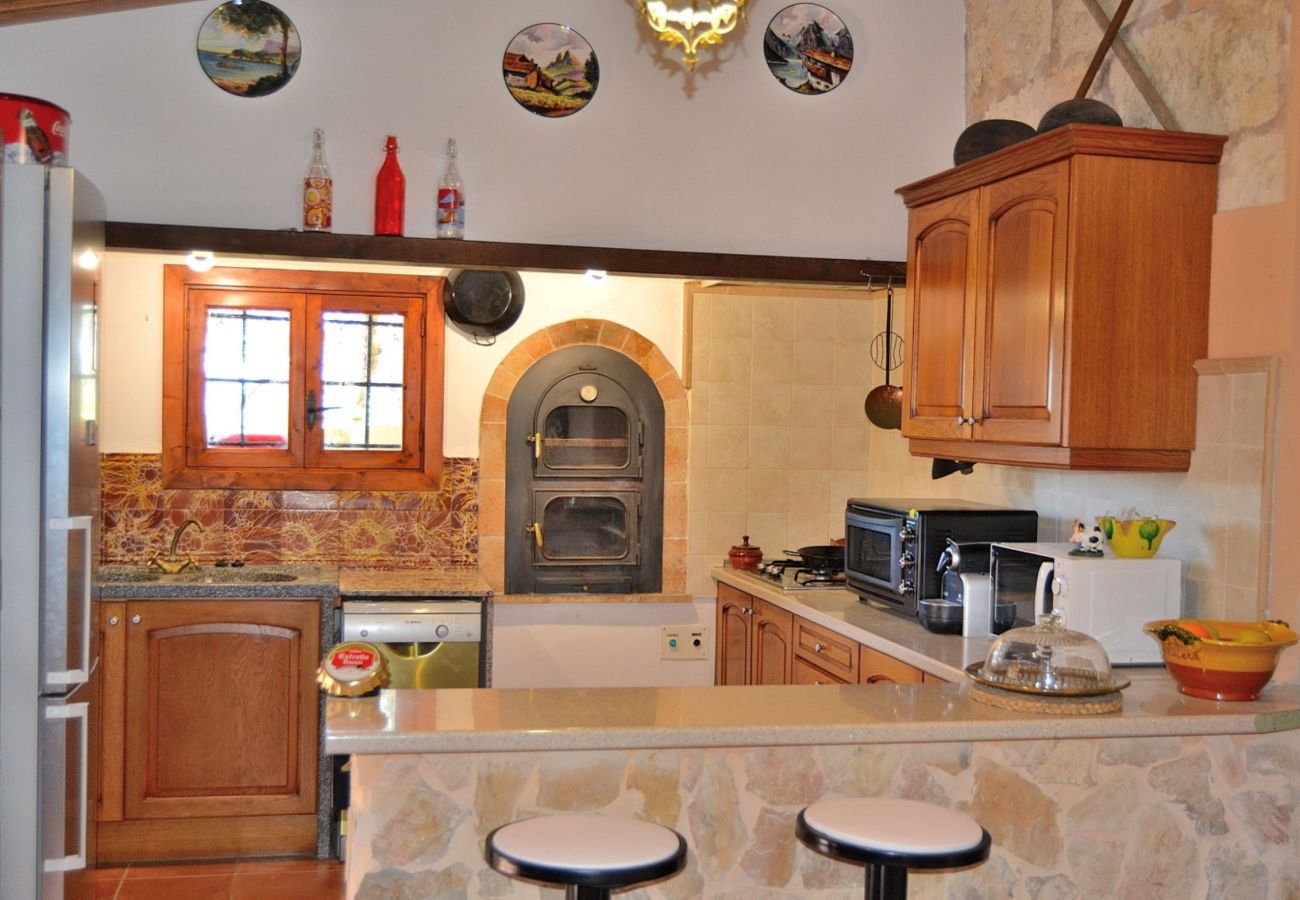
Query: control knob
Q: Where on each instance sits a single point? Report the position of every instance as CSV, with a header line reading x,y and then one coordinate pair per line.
x,y
905,586
907,559
442,630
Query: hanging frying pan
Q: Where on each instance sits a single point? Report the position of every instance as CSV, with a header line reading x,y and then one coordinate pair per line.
x,y
884,404
484,302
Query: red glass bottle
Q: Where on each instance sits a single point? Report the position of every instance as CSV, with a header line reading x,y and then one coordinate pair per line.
x,y
390,192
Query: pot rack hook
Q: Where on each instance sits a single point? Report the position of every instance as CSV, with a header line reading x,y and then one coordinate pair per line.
x,y
871,282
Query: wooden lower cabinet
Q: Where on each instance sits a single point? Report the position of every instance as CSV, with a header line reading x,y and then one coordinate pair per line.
x,y
754,640
209,729
876,668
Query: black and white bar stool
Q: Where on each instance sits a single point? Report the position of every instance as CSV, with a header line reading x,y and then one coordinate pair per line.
x,y
890,836
590,855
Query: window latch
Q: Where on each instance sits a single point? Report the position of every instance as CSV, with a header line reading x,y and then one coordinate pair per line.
x,y
313,409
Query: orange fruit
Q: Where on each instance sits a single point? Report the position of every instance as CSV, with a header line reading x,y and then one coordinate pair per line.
x,y
1202,630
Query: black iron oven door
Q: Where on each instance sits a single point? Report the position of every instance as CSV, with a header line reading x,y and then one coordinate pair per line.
x,y
586,426
586,527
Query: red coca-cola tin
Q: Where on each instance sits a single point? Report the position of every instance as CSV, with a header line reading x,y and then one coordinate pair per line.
x,y
34,131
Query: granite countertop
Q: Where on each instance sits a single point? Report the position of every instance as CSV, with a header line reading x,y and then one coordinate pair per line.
x,y
412,583
943,655
217,583
491,720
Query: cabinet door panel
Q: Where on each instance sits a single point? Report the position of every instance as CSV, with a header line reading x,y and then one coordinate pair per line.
x,y
1021,308
940,319
772,650
732,663
802,672
220,714
878,668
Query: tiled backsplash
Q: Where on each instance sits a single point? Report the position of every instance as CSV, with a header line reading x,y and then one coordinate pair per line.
x,y
778,436
393,529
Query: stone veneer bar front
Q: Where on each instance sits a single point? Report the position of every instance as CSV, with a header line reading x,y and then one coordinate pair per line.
x,y
1172,797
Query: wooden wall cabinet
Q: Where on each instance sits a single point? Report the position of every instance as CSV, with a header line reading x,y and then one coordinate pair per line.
x,y
1058,296
209,729
754,640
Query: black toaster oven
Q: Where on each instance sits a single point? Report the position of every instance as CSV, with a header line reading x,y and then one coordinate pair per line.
x,y
892,546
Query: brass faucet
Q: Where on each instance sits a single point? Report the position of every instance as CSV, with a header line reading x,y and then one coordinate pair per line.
x,y
171,563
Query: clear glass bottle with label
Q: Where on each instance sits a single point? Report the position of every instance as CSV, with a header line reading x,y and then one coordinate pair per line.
x,y
318,188
451,197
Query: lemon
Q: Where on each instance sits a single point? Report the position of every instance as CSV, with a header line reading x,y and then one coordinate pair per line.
x,y
1252,636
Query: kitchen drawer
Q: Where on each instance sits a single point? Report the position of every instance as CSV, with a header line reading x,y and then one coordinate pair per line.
x,y
833,653
877,667
804,672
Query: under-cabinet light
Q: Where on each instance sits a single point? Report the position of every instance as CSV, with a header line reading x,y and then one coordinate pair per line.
x,y
595,276
201,260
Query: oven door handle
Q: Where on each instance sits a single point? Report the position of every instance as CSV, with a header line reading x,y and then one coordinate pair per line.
x,y
536,529
1042,599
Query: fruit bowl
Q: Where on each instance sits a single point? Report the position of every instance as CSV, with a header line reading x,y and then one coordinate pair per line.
x,y
1138,537
1220,660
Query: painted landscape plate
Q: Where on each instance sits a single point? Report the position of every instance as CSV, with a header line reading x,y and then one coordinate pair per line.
x,y
550,70
808,49
250,49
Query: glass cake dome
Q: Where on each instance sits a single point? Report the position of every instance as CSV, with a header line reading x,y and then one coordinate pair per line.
x,y
1048,658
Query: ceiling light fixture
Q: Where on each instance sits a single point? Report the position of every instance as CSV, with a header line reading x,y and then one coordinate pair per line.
x,y
595,276
696,24
200,260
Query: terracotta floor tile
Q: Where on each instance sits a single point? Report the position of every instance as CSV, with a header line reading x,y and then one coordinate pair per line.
x,y
216,867
322,884
190,887
110,873
274,866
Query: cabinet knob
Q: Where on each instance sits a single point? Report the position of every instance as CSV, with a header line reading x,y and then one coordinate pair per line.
x,y
135,620
817,647
112,620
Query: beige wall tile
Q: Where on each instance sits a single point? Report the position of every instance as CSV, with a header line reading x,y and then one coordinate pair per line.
x,y
724,532
773,361
728,490
814,362
769,490
855,320
849,448
769,448
770,531
729,403
811,491
811,406
773,315
770,405
814,319
728,447
810,448
731,359
731,316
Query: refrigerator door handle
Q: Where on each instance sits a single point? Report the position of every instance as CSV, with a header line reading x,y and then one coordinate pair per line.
x,y
82,675
75,711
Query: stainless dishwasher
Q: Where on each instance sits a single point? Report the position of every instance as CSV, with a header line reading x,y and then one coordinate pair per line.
x,y
427,642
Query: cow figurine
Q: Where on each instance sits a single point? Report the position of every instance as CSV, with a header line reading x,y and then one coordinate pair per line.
x,y
1089,540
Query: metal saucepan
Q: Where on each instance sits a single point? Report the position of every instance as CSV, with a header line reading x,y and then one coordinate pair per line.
x,y
1080,108
821,556
884,404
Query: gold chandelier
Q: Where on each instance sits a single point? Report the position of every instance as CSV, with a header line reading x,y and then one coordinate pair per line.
x,y
692,23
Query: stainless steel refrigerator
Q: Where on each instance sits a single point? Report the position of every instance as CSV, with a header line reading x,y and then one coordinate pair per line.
x,y
51,244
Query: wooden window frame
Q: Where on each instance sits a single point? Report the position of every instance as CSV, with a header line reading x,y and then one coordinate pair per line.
x,y
189,463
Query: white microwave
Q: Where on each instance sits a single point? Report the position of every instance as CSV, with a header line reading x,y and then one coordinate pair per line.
x,y
1108,597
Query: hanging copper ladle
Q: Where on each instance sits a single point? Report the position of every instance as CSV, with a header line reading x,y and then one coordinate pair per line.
x,y
884,404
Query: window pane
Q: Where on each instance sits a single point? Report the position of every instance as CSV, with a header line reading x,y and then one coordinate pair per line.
x,y
585,528
246,370
361,378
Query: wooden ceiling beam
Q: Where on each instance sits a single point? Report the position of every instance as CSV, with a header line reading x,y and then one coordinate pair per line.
x,y
19,12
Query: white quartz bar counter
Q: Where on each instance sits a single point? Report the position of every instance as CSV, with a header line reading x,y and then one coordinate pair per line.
x,y
543,719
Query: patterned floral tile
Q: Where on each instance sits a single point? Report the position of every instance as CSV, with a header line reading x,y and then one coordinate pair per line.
x,y
400,529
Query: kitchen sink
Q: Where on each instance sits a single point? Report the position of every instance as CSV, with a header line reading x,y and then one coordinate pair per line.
x,y
231,576
128,576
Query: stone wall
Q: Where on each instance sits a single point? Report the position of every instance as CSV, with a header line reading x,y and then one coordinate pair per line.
x,y
1128,818
1220,66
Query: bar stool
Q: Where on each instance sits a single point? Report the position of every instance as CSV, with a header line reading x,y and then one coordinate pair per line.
x,y
890,836
590,855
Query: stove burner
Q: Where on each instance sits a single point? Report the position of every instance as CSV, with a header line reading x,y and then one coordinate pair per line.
x,y
818,576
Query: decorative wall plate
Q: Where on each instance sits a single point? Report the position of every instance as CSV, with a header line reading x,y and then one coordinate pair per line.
x,y
550,70
248,48
808,49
